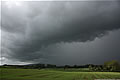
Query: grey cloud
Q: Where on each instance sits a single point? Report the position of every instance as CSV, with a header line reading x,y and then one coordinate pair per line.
x,y
95,52
13,19
37,25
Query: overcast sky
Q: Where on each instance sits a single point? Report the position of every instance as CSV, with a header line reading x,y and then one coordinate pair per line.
x,y
79,32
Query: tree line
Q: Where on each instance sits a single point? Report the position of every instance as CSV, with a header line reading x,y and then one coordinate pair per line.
x,y
107,66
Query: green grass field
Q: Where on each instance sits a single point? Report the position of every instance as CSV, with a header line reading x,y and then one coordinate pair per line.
x,y
49,74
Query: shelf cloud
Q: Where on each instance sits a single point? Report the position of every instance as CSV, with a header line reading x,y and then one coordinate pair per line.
x,y
33,31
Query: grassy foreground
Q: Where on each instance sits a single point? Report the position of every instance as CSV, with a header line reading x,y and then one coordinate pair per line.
x,y
49,74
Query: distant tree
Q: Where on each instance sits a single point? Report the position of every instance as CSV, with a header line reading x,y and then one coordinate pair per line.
x,y
66,66
91,67
51,66
75,66
112,65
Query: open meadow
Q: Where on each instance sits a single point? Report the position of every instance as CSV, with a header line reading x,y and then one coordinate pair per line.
x,y
54,74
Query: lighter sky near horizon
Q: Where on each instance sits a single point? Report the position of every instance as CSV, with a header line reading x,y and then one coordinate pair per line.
x,y
82,32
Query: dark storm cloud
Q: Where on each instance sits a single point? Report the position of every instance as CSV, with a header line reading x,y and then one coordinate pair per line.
x,y
31,28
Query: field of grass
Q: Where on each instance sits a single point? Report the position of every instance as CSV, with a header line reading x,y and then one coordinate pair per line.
x,y
49,74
